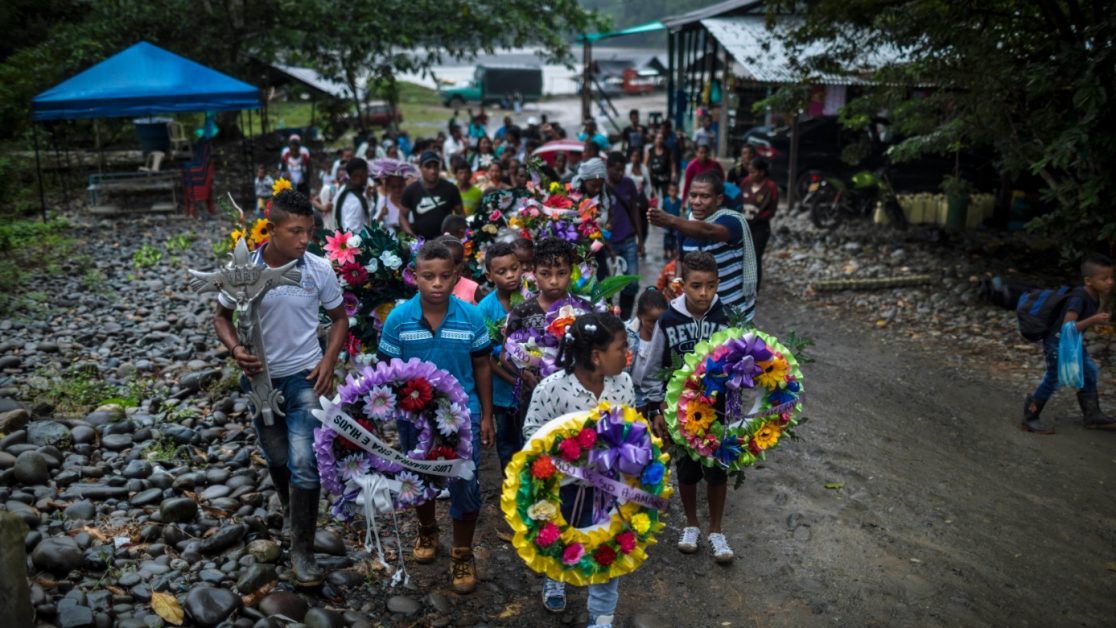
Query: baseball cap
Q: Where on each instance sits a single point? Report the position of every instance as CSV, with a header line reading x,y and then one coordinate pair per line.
x,y
428,156
295,137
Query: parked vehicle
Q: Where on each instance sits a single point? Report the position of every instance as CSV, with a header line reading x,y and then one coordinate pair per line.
x,y
380,113
496,85
822,142
832,201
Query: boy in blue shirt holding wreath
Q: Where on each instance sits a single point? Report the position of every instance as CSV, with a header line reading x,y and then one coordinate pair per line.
x,y
439,328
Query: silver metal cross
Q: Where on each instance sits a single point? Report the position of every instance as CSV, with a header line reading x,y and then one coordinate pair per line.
x,y
245,284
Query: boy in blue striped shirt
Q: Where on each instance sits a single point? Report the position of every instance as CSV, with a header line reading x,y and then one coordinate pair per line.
x,y
437,327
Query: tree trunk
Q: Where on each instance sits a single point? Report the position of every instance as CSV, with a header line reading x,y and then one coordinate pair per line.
x,y
15,594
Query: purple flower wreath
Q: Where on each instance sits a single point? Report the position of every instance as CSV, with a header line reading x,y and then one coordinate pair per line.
x,y
416,391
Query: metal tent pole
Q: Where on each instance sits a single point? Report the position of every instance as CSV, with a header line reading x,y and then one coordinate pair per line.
x,y
39,170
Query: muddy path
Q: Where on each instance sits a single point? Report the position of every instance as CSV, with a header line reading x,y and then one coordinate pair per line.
x,y
946,513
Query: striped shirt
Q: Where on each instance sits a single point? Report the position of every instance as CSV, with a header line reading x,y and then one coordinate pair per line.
x,y
462,335
736,261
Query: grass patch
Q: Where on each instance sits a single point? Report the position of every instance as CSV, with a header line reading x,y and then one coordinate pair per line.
x,y
132,394
78,390
146,256
94,281
228,384
28,247
162,450
799,345
180,243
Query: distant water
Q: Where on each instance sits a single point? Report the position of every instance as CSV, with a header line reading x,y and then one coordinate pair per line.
x,y
557,79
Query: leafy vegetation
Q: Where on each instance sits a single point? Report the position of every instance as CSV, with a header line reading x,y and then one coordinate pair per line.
x,y
77,390
1032,79
146,256
27,246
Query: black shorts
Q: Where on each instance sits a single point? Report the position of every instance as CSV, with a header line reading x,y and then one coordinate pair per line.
x,y
691,472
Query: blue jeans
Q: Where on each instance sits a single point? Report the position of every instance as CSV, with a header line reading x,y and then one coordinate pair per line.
x,y
290,441
602,597
629,250
1049,381
509,433
465,497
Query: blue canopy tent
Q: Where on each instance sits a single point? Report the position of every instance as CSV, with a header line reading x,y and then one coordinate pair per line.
x,y
142,80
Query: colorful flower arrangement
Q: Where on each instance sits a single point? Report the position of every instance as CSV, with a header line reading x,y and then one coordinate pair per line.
x,y
372,270
705,411
558,211
484,226
537,349
610,448
415,391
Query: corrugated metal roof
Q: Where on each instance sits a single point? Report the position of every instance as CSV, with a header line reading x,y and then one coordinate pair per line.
x,y
728,7
763,58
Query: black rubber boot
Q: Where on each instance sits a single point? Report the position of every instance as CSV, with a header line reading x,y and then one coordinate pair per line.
x,y
281,478
1031,410
1091,413
304,521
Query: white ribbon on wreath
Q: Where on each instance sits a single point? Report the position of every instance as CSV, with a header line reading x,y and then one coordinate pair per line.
x,y
375,497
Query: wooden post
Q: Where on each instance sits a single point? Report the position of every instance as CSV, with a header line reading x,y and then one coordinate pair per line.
x,y
792,170
586,80
671,69
15,594
39,169
723,118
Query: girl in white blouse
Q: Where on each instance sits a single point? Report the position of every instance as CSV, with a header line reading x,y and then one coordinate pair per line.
x,y
593,357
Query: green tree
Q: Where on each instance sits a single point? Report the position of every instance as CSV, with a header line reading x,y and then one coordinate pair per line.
x,y
1032,78
361,43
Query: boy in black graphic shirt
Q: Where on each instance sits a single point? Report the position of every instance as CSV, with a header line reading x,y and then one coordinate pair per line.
x,y
691,318
428,201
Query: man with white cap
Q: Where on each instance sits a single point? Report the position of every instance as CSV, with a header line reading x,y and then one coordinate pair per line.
x,y
294,162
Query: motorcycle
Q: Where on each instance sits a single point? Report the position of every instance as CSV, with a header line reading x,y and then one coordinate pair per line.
x,y
831,201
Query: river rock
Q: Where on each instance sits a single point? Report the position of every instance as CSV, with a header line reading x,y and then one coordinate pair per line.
x,y
403,605
82,434
264,550
58,554
328,542
138,469
209,606
80,510
13,420
284,603
322,618
117,442
43,433
31,469
254,577
71,614
224,539
178,510
146,497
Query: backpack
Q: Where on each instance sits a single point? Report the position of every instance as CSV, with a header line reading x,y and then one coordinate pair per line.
x,y
1038,310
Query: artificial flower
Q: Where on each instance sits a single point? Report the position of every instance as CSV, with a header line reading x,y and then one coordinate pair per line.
x,y
355,241
774,372
380,402
767,435
391,260
259,233
653,474
557,327
604,555
543,468
754,447
351,303
490,229
411,487
547,535
236,234
569,449
372,266
447,420
786,394
382,311
627,541
699,416
542,510
337,248
586,437
442,452
352,344
353,465
555,187
641,523
353,274
280,185
415,395
573,553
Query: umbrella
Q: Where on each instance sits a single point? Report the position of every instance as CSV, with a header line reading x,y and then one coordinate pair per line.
x,y
547,152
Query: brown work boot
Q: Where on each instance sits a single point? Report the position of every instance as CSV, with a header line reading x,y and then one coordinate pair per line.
x,y
463,569
426,545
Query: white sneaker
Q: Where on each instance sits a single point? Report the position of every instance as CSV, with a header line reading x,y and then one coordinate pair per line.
x,y
722,553
602,621
554,595
688,542
443,494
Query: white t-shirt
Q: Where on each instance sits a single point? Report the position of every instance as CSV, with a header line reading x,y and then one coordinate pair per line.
x,y
295,166
391,218
289,316
639,175
450,148
352,214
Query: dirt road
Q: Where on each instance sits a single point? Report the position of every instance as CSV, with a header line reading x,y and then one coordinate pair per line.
x,y
946,513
